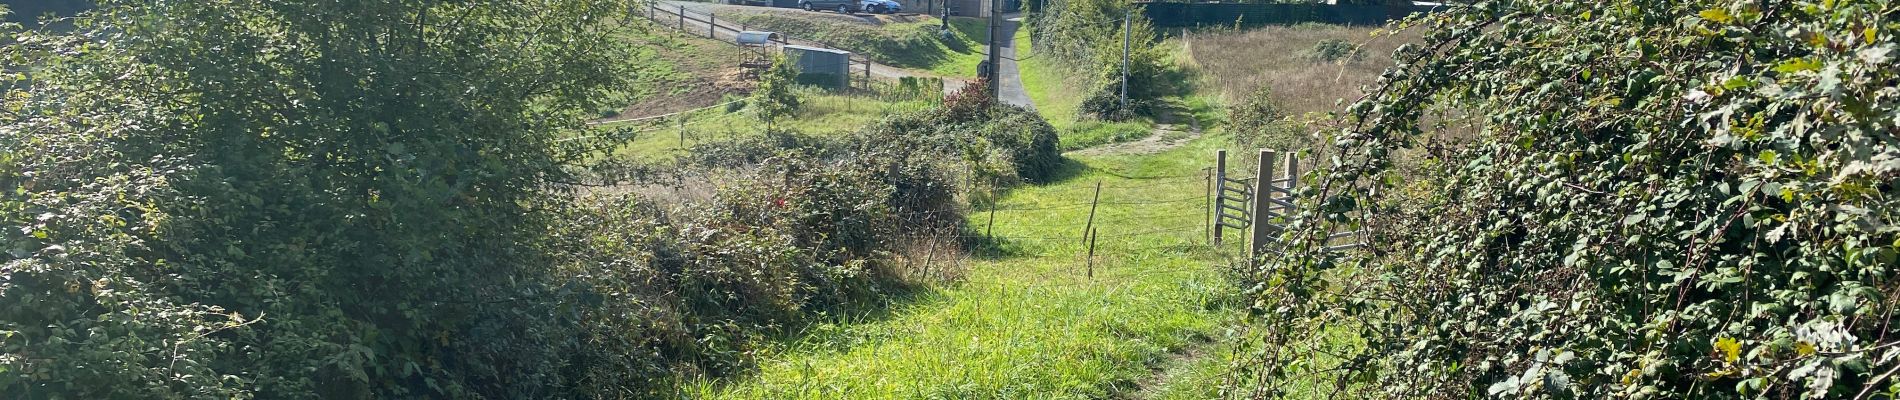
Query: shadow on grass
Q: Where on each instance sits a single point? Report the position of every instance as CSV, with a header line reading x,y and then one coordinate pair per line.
x,y
1068,169
831,330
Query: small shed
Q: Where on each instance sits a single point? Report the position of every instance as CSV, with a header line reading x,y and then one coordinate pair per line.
x,y
820,66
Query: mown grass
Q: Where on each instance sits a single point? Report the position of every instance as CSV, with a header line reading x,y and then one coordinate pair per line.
x,y
1027,322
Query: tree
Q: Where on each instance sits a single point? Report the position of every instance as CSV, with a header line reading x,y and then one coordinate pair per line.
x,y
774,97
292,198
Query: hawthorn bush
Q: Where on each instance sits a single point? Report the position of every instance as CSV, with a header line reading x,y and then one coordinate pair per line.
x,y
1663,199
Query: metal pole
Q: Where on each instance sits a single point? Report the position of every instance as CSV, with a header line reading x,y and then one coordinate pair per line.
x,y
1208,202
1292,182
1125,29
1264,231
996,57
682,13
991,230
1097,200
1220,184
712,26
1092,236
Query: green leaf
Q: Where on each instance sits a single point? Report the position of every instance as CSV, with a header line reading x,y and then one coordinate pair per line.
x,y
1794,65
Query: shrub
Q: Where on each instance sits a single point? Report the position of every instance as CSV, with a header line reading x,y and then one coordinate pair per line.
x,y
1334,50
774,98
290,200
1258,123
1670,199
1074,37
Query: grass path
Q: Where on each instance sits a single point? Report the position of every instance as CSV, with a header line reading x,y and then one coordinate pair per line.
x,y
1026,322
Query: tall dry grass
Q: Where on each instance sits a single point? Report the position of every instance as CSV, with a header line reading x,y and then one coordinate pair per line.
x,y
1279,57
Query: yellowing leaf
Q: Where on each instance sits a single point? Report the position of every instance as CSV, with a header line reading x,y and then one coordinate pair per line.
x,y
1804,349
1730,348
1794,65
1717,15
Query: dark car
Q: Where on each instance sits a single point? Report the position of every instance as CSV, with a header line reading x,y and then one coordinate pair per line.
x,y
842,6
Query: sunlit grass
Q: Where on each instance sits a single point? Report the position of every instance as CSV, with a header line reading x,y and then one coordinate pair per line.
x,y
1027,322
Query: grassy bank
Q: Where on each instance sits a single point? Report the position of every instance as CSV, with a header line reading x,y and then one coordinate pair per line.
x,y
914,42
674,72
820,111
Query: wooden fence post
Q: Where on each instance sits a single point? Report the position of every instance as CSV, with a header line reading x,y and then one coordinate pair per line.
x,y
1263,231
1086,229
712,26
682,14
1220,181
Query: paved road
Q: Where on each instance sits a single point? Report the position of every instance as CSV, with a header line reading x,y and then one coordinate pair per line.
x,y
1011,79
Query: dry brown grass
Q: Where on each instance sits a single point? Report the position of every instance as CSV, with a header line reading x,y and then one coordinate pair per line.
x,y
1235,63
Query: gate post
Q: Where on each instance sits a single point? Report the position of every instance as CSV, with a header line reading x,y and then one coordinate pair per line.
x,y
1220,185
1264,231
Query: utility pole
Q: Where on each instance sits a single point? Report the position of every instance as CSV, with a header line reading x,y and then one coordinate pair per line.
x,y
1125,27
996,56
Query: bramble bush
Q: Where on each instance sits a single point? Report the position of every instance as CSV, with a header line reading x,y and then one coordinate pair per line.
x,y
1662,200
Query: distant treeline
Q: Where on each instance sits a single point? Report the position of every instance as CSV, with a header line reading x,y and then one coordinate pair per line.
x,y
1175,15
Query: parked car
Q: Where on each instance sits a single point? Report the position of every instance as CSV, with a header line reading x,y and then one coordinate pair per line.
x,y
851,6
882,6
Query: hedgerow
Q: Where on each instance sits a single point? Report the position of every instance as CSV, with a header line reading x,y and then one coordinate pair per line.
x,y
1075,36
318,200
1657,199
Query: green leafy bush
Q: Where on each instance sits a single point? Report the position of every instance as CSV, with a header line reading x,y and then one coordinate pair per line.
x,y
1257,123
293,199
1074,36
1334,50
774,98
1657,199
